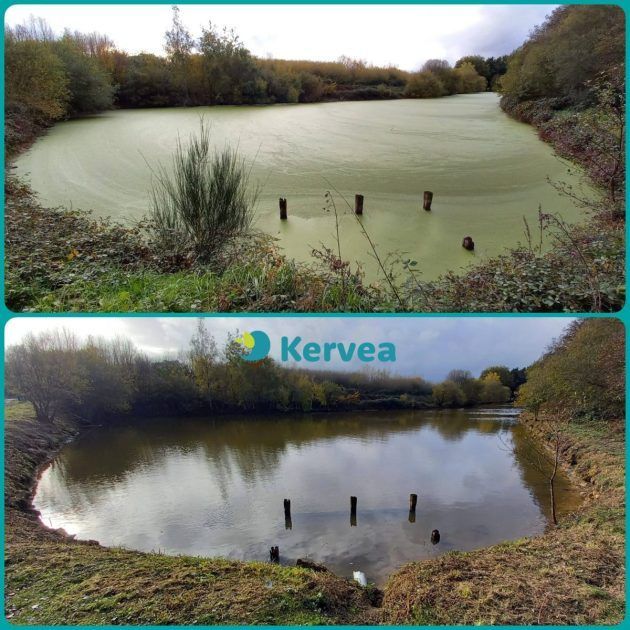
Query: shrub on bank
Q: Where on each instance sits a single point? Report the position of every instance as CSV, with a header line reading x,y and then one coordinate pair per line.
x,y
204,202
424,85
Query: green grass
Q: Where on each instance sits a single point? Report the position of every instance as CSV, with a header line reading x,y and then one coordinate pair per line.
x,y
18,411
77,583
243,287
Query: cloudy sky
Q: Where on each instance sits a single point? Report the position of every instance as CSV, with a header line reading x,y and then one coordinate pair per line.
x,y
425,346
405,36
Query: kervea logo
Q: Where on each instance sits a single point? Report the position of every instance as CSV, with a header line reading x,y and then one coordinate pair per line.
x,y
256,346
313,352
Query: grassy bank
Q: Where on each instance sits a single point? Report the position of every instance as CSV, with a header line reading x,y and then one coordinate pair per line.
x,y
52,579
573,574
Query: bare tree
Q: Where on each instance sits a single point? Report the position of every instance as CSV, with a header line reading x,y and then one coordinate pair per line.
x,y
43,370
33,29
545,461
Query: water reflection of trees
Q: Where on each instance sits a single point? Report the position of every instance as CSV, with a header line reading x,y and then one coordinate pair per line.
x,y
254,445
253,448
567,498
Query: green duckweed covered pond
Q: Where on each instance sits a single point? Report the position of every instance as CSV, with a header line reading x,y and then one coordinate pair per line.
x,y
487,172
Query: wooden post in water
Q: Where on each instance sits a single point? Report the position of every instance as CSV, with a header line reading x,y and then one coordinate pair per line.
x,y
468,243
353,511
274,554
413,500
288,523
358,204
428,199
283,208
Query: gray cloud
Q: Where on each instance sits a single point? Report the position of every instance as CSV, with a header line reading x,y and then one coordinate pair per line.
x,y
500,30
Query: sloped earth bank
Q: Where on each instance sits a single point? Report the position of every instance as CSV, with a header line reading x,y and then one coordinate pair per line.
x,y
573,574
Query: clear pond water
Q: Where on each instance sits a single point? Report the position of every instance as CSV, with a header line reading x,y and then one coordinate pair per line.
x,y
487,171
215,487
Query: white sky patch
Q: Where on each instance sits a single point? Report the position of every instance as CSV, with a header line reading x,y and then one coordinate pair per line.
x,y
404,36
425,346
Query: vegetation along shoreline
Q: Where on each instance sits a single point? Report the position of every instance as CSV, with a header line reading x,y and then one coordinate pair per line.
x,y
573,573
163,265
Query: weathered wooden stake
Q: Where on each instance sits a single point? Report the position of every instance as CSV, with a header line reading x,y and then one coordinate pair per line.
x,y
274,554
283,208
288,523
353,511
468,243
428,199
413,499
358,204
435,536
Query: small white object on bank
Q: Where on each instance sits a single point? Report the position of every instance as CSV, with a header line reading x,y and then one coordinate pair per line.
x,y
359,577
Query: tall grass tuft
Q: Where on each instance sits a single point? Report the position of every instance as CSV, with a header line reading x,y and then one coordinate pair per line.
x,y
204,202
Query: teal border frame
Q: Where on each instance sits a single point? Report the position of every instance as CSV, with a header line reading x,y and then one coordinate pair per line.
x,y
6,315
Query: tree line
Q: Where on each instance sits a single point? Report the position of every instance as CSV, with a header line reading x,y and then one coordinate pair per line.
x,y
568,79
48,78
581,376
496,384
562,56
96,380
472,73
